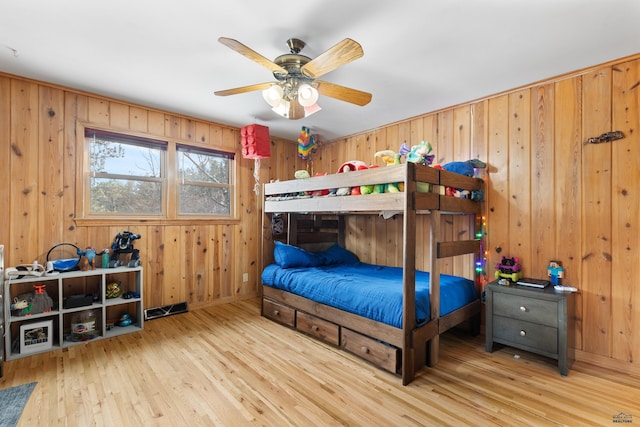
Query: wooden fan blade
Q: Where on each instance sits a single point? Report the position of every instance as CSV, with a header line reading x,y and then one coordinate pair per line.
x,y
340,54
243,89
343,93
252,55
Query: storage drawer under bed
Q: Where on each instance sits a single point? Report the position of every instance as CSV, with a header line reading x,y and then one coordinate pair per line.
x,y
318,328
383,355
278,312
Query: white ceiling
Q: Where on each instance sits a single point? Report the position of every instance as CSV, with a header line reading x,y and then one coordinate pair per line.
x,y
419,55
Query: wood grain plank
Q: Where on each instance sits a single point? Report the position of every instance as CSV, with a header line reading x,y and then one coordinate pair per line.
x,y
156,123
119,115
596,211
188,129
520,159
498,193
543,198
24,144
76,111
227,378
568,149
462,265
98,111
5,152
51,175
444,151
625,211
138,119
416,132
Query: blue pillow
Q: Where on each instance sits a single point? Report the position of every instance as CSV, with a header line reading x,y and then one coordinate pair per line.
x,y
336,254
287,256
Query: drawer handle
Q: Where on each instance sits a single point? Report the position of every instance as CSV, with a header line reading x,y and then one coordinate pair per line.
x,y
314,328
276,312
523,333
365,349
523,308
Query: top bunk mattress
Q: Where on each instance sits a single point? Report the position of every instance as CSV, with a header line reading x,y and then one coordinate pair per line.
x,y
371,291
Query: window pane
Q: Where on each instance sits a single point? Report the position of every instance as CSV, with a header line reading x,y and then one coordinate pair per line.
x,y
196,199
118,158
203,167
125,196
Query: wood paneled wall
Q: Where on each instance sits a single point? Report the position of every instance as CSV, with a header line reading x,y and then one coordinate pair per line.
x,y
550,197
202,263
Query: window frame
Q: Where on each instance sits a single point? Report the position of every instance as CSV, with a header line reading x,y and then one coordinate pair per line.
x,y
230,186
169,181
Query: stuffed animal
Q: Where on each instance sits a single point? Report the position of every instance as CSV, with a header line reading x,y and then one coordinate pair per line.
x,y
372,189
350,166
390,158
302,174
467,168
420,153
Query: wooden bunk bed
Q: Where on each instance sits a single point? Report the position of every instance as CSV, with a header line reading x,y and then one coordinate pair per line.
x,y
400,350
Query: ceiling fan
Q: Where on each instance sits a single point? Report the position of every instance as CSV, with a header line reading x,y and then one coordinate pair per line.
x,y
295,93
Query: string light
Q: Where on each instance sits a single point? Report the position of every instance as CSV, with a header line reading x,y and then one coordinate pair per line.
x,y
481,261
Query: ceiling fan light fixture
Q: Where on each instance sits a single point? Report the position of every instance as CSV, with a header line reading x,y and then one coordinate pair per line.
x,y
282,109
307,95
273,96
311,109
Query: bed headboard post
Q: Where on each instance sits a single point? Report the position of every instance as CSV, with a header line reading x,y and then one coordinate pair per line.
x,y
434,283
342,238
292,229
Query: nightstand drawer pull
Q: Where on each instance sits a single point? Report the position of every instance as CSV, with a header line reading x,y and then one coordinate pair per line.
x,y
276,312
523,308
523,333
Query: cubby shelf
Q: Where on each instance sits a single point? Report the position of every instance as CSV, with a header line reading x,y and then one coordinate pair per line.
x,y
60,286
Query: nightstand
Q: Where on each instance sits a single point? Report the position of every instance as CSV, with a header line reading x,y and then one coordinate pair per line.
x,y
531,319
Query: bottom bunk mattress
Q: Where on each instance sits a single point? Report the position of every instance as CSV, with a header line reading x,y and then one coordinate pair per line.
x,y
368,290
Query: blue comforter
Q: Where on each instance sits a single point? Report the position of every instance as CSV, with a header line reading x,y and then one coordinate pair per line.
x,y
368,290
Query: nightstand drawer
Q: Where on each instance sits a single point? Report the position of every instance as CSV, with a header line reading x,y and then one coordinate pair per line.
x,y
526,335
526,308
321,329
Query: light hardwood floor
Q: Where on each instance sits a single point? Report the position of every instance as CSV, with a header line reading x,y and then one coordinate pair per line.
x,y
226,365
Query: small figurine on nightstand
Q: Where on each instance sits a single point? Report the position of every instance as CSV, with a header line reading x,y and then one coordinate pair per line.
x,y
509,268
556,272
89,258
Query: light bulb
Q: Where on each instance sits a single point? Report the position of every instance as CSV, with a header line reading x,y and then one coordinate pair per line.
x,y
273,95
307,95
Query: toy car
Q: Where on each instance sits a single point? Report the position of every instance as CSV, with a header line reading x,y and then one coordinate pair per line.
x,y
509,268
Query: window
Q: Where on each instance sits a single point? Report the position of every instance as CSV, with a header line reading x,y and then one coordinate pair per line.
x,y
125,174
204,182
129,176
